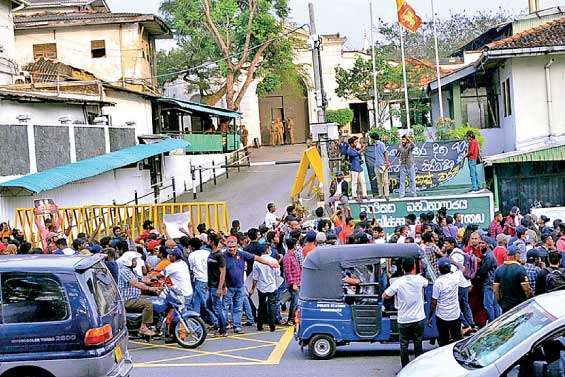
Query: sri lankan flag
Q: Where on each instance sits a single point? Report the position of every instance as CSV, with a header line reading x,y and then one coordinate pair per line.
x,y
407,16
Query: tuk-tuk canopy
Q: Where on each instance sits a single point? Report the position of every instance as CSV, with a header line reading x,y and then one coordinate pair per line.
x,y
322,271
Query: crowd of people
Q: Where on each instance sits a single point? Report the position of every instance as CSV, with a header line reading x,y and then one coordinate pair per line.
x,y
246,278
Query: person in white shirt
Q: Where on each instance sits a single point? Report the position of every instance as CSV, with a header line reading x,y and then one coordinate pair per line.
x,y
445,301
266,281
179,274
271,219
408,290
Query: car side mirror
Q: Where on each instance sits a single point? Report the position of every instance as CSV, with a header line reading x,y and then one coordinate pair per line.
x,y
539,369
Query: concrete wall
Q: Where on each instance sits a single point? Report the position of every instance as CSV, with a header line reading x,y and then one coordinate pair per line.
x,y
14,142
40,113
118,185
508,123
124,45
89,142
530,99
130,107
52,147
121,138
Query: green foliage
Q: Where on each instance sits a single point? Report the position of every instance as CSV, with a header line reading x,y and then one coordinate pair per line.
x,y
225,48
342,117
387,136
446,130
453,32
419,133
357,82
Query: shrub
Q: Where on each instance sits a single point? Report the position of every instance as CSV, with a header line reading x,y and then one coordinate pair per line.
x,y
387,136
458,133
419,132
340,116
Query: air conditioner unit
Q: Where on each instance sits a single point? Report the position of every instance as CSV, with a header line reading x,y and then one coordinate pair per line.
x,y
23,77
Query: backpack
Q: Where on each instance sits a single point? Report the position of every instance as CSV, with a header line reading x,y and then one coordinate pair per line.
x,y
554,280
471,264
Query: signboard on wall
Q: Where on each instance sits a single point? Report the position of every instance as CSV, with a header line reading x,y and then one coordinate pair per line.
x,y
436,162
475,208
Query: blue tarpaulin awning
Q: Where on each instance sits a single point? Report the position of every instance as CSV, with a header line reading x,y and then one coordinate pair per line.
x,y
62,175
199,107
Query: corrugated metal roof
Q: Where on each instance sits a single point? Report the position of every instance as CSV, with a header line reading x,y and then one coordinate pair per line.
x,y
194,106
547,153
62,175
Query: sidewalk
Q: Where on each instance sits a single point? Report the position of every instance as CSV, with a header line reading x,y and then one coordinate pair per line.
x,y
248,192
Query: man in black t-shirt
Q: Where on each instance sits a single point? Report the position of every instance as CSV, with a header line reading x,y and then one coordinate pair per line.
x,y
216,281
511,285
541,281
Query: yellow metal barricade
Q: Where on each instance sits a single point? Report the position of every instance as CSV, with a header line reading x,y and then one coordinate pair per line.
x,y
90,218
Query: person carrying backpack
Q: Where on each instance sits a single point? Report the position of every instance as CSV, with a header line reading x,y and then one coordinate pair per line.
x,y
551,278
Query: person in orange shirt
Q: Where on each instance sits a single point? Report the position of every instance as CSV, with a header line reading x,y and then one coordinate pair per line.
x,y
162,264
310,243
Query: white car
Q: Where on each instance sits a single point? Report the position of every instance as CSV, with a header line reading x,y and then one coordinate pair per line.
x,y
527,341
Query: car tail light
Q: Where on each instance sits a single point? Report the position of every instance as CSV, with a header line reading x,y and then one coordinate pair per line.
x,y
99,335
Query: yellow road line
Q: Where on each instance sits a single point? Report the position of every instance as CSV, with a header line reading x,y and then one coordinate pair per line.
x,y
256,340
218,353
238,336
276,356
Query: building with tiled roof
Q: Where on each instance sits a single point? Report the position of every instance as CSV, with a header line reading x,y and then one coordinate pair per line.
x,y
551,34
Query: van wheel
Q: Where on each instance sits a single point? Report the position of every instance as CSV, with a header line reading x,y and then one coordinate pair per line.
x,y
321,347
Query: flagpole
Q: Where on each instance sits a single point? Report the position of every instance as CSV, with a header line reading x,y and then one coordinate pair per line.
x,y
375,92
438,74
406,102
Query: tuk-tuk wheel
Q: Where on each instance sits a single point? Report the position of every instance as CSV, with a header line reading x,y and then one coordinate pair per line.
x,y
321,347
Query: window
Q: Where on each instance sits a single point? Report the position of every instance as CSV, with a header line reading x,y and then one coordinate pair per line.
x,y
45,50
30,297
98,48
507,103
546,354
103,288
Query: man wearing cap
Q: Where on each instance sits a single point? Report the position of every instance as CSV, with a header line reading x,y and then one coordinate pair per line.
x,y
532,268
445,301
405,151
339,188
178,272
130,286
236,260
519,240
500,253
547,246
542,225
511,285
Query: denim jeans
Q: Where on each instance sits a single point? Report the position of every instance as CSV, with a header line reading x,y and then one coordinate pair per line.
x,y
233,303
293,304
473,174
278,297
490,304
411,172
466,313
218,307
410,331
247,308
199,303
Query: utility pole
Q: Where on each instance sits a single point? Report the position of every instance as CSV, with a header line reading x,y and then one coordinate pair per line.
x,y
321,101
375,92
438,72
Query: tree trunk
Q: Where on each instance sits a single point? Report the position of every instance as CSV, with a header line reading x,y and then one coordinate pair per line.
x,y
230,93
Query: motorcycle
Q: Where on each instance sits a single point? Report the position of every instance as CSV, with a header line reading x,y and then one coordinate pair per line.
x,y
171,316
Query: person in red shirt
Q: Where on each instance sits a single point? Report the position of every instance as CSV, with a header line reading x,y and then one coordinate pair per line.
x,y
495,227
310,243
500,253
473,155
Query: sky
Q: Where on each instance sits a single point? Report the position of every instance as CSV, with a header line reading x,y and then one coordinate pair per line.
x,y
350,18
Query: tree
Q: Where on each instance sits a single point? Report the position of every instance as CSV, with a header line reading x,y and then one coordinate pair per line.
x,y
452,32
225,44
357,82
340,116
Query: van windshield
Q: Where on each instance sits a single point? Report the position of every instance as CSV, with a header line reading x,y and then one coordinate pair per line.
x,y
502,335
103,288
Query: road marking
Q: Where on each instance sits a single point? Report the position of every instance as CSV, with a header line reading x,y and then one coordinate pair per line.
x,y
238,336
276,356
214,364
256,340
218,353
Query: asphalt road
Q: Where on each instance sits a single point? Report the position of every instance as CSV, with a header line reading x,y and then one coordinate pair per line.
x,y
247,192
260,354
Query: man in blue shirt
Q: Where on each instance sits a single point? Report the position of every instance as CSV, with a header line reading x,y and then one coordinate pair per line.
x,y
236,260
354,153
382,165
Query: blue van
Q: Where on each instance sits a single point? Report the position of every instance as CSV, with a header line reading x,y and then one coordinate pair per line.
x,y
61,317
331,313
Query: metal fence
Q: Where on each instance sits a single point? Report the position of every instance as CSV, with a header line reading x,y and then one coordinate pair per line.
x,y
88,219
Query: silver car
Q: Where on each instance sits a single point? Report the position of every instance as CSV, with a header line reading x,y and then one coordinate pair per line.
x,y
527,341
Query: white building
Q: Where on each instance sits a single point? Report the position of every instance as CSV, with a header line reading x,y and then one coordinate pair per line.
x,y
513,88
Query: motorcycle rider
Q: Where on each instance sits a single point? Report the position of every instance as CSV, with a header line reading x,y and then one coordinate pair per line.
x,y
179,274
130,286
